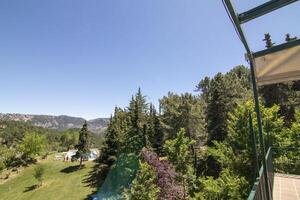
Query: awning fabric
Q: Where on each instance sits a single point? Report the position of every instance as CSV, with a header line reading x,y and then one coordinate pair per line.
x,y
277,66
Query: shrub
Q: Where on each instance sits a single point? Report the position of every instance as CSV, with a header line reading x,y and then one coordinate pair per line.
x,y
2,166
39,171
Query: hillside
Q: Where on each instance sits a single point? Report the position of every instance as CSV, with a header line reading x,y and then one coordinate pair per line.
x,y
61,122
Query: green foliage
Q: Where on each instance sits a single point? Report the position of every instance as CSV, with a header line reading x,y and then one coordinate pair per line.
x,y
286,95
178,152
234,157
239,138
227,186
38,174
12,132
69,139
287,150
154,131
183,111
33,144
225,92
7,157
143,186
135,138
83,146
2,165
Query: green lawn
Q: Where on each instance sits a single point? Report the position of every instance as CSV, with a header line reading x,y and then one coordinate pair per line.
x,y
60,183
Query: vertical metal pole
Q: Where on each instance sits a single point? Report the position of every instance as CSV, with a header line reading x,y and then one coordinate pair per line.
x,y
260,129
253,141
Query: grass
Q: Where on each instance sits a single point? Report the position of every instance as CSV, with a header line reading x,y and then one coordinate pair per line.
x,y
62,181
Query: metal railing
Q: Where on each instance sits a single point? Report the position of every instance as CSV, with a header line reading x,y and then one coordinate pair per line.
x,y
258,191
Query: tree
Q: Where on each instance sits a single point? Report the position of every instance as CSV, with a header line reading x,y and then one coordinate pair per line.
x,y
144,185
234,158
227,186
183,111
167,177
83,144
154,134
69,139
38,174
32,144
135,136
287,157
225,93
178,152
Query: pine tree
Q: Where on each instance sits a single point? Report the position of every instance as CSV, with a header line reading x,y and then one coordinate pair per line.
x,y
155,132
268,40
135,137
83,144
225,92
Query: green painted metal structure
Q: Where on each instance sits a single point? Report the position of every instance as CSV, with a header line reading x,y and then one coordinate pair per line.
x,y
262,188
259,190
263,9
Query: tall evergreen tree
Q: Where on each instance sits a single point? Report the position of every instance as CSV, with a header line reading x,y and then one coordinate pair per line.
x,y
83,144
225,92
137,111
155,133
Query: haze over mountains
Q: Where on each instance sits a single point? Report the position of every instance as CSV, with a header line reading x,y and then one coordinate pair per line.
x,y
61,122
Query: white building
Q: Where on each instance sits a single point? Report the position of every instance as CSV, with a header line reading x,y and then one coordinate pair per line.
x,y
94,153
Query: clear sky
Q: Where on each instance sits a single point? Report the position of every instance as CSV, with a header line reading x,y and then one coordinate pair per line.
x,y
81,58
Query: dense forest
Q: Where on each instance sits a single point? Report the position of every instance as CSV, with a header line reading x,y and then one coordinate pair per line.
x,y
198,146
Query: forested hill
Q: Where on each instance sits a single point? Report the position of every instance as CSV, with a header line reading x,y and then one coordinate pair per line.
x,y
61,122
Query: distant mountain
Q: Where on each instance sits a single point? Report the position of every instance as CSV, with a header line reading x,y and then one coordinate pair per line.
x,y
61,122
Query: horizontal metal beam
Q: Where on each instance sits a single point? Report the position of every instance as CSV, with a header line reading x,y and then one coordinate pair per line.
x,y
263,9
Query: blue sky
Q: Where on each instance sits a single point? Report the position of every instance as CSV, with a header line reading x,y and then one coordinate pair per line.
x,y
82,58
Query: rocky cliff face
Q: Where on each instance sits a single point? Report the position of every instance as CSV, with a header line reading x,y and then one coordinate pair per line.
x,y
61,122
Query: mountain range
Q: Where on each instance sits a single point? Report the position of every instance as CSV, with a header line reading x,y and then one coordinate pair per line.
x,y
61,122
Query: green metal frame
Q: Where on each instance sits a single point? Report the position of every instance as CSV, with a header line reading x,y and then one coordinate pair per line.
x,y
237,21
258,191
263,9
277,48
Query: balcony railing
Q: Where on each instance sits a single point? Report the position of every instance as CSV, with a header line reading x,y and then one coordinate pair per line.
x,y
258,191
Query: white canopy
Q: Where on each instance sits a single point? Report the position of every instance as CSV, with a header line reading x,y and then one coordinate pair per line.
x,y
277,65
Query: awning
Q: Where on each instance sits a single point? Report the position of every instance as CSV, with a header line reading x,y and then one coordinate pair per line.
x,y
278,64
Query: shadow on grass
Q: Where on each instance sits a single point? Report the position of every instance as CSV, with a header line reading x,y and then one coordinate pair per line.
x,y
94,179
71,169
30,188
